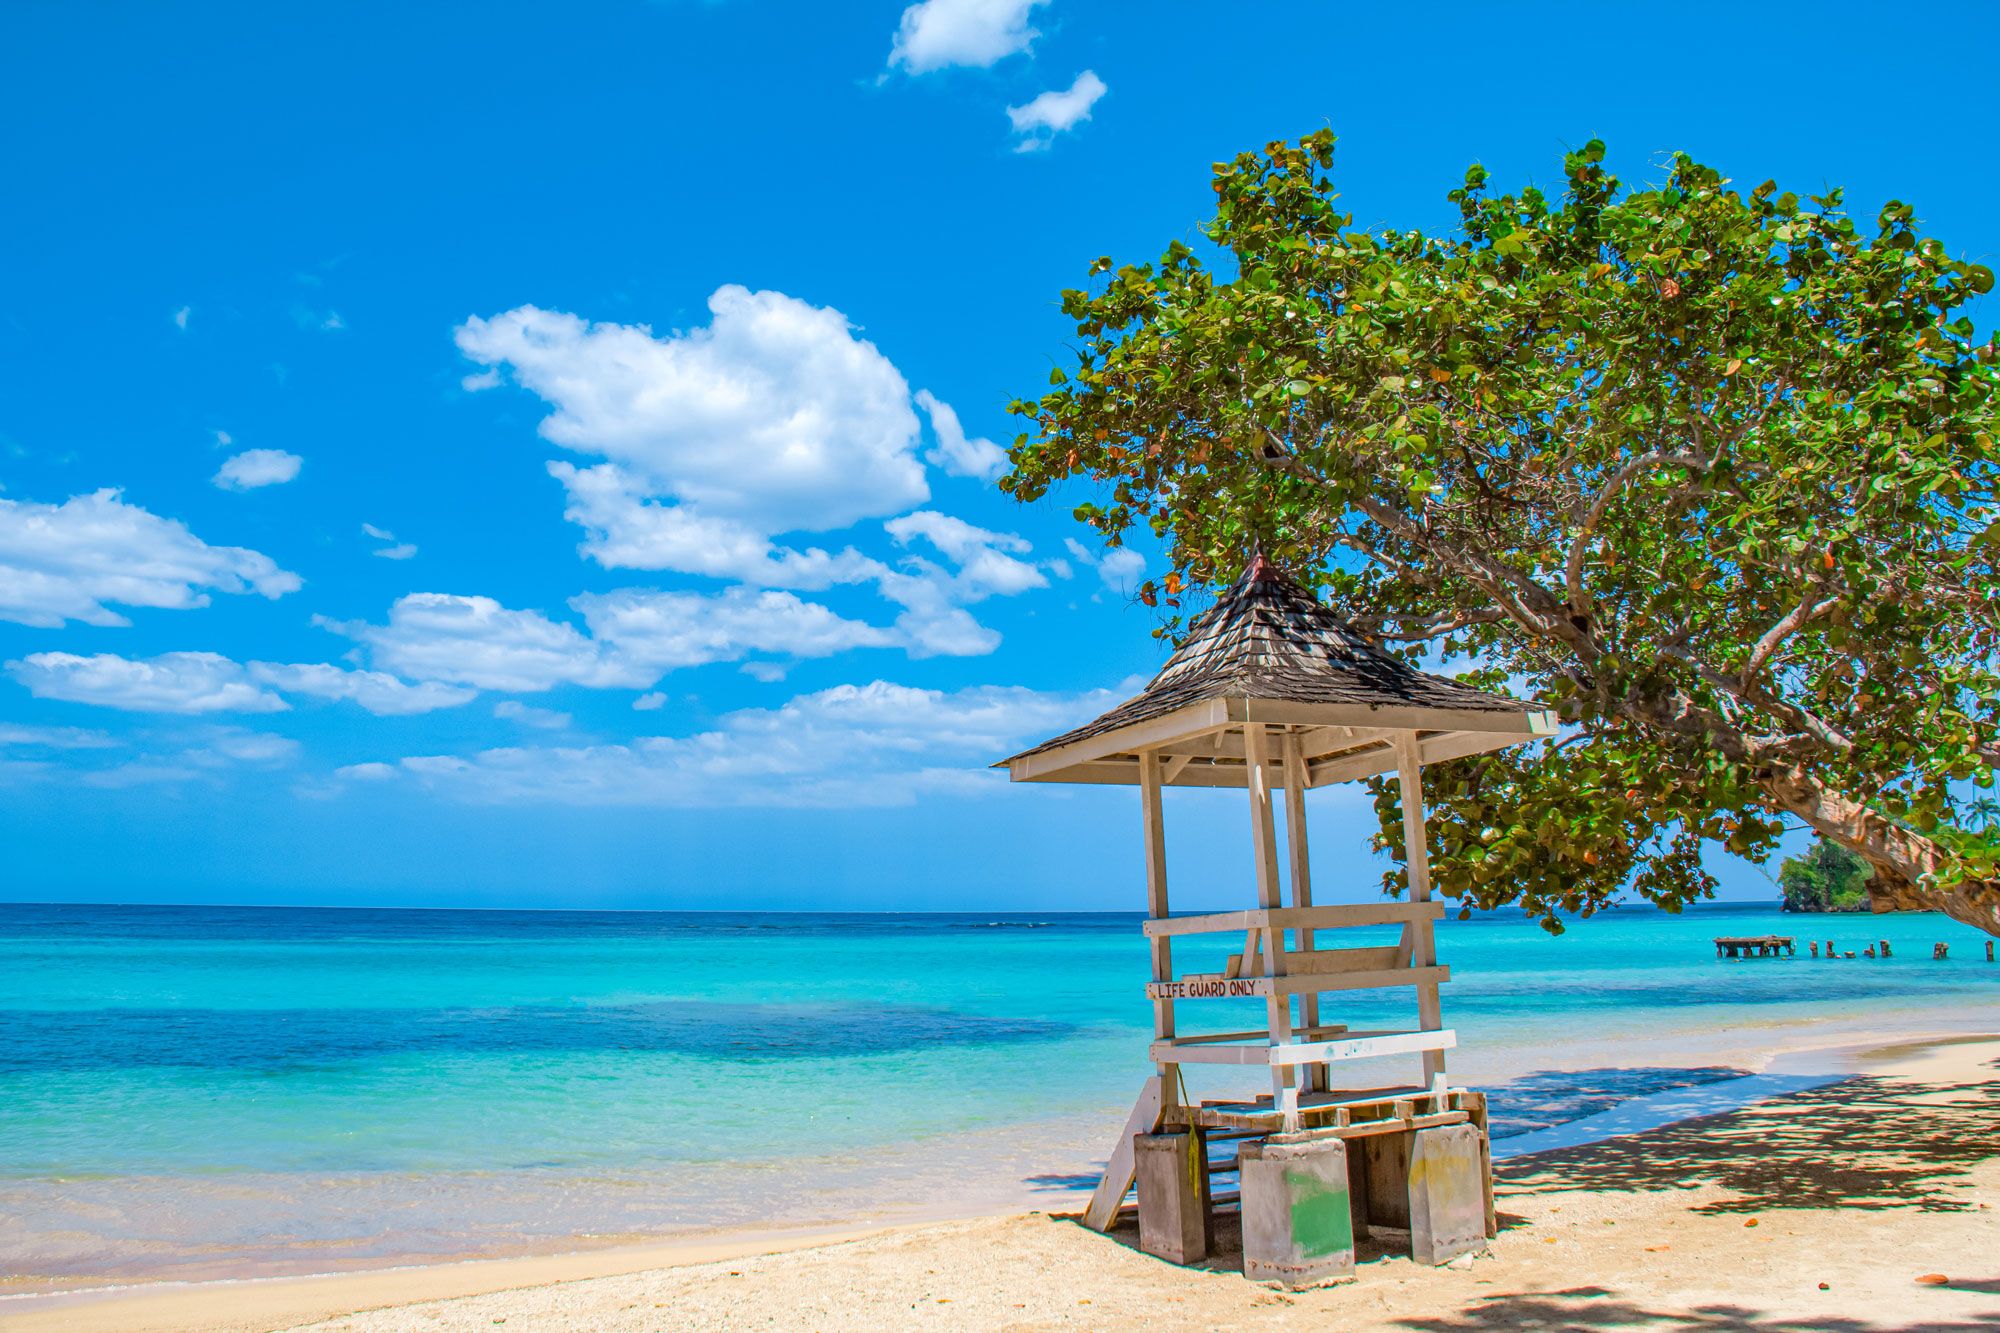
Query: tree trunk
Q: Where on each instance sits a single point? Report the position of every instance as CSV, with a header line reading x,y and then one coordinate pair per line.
x,y
1901,858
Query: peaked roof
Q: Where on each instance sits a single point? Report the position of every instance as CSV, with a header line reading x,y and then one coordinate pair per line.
x,y
1268,639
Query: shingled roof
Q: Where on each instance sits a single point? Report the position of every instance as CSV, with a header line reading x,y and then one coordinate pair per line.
x,y
1268,651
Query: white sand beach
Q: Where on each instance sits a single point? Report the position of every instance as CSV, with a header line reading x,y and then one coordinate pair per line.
x,y
1869,1203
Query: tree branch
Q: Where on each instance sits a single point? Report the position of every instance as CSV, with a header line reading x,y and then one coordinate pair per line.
x,y
1797,619
1579,597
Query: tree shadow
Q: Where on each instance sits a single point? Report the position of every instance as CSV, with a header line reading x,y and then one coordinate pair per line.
x,y
1863,1143
1580,1309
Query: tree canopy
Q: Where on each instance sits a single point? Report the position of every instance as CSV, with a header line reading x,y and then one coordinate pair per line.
x,y
1711,471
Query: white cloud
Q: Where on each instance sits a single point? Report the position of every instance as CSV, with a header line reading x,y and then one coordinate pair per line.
x,y
257,467
220,746
169,683
378,692
634,637
545,719
370,772
476,641
853,745
181,317
1053,112
939,33
650,702
956,454
626,530
208,753
73,561
774,416
1119,567
54,738
986,569
660,631
395,550
480,380
716,442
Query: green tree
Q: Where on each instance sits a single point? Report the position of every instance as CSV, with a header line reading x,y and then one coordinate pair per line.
x,y
1825,878
1710,471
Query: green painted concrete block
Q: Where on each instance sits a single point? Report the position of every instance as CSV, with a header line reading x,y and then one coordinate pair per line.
x,y
1298,1226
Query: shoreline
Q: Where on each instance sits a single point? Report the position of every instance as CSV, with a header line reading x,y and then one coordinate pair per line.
x,y
285,1301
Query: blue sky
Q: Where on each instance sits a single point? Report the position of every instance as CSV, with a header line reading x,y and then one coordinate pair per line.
x,y
540,455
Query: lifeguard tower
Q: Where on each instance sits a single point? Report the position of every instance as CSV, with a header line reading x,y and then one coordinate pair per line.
x,y
1273,692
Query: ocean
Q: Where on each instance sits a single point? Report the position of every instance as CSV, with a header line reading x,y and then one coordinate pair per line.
x,y
191,1092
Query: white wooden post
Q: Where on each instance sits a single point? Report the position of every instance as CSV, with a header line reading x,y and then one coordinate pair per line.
x,y
1264,846
1317,1076
1152,821
1417,860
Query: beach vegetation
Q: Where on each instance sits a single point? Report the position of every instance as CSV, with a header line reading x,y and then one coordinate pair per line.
x,y
1708,468
1826,877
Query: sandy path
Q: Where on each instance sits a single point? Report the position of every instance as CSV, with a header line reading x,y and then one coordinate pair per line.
x,y
1728,1222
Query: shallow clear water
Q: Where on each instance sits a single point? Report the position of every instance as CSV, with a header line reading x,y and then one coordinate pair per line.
x,y
199,1090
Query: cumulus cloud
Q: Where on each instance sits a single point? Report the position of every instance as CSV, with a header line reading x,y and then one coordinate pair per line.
x,y
775,415
660,631
987,563
75,560
633,636
257,467
1053,112
376,691
853,745
714,444
169,683
955,453
940,33
181,317
434,636
650,702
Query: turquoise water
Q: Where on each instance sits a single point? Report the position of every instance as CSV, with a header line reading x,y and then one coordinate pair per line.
x,y
190,1091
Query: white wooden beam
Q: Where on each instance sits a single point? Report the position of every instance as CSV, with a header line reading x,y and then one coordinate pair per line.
x,y
1417,862
1326,916
1301,873
1264,847
1153,827
1118,1172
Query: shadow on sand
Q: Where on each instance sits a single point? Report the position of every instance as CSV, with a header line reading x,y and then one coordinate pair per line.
x,y
1863,1143
1579,1309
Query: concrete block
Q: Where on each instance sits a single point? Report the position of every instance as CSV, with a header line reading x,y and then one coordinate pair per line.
x,y
1172,1173
1447,1193
1298,1226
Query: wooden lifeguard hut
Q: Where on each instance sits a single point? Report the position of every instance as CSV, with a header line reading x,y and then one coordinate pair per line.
x,y
1273,692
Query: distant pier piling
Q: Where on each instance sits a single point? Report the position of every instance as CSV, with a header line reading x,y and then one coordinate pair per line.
x,y
1754,946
